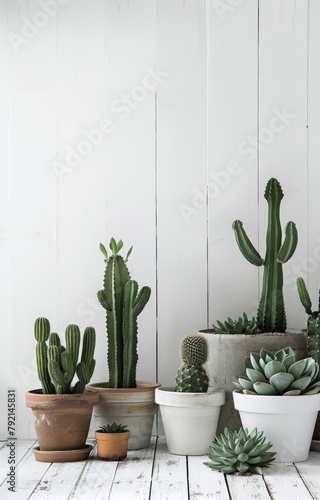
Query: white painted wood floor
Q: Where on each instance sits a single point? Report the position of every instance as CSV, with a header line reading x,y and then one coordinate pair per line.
x,y
152,474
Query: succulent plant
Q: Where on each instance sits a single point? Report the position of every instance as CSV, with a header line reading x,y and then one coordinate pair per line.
x,y
113,428
191,376
239,451
271,312
271,374
123,304
57,365
242,325
313,323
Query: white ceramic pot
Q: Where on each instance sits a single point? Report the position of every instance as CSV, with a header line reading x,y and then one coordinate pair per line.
x,y
287,421
190,419
226,354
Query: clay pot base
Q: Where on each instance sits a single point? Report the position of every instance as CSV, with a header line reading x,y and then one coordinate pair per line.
x,y
63,455
113,459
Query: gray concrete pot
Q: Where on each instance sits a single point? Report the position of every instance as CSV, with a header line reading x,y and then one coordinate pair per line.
x,y
226,354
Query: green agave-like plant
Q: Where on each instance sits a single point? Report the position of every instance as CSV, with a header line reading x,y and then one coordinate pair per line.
x,y
271,374
242,325
239,451
313,322
113,428
57,365
271,312
191,376
123,303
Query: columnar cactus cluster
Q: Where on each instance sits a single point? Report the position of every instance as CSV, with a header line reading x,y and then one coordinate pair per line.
x,y
123,303
313,323
271,312
57,365
192,377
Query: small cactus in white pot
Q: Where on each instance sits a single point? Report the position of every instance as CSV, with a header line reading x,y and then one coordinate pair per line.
x,y
189,412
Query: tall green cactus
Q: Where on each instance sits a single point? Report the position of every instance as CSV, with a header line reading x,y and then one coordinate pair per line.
x,y
57,364
271,312
123,303
313,322
191,376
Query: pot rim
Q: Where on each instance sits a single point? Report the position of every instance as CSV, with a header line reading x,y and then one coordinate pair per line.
x,y
257,403
167,396
142,386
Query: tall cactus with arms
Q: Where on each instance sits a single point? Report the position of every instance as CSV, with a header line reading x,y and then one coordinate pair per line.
x,y
313,323
271,312
123,303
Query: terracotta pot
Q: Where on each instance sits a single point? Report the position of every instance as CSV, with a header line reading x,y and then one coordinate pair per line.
x,y
61,420
134,408
226,355
112,445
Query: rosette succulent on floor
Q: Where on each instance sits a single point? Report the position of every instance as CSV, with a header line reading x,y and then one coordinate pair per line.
x,y
239,451
271,374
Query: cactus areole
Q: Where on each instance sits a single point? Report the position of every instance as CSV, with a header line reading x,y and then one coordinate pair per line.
x,y
271,312
123,303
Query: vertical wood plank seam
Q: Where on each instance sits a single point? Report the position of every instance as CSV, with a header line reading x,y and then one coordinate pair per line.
x,y
206,28
308,137
258,136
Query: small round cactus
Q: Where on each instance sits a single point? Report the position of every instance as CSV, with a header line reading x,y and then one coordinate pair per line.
x,y
239,451
192,377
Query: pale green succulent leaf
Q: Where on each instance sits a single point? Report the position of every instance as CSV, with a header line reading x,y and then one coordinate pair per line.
x,y
264,389
301,383
274,367
282,381
255,375
298,368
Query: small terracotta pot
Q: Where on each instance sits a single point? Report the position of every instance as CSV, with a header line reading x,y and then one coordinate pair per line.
x,y
62,421
112,445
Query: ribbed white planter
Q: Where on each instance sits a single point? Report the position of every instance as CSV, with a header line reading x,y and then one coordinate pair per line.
x,y
287,421
190,419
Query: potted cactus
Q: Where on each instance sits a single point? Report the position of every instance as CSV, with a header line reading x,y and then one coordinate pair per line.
x,y
62,411
230,341
313,333
190,412
123,398
112,441
280,396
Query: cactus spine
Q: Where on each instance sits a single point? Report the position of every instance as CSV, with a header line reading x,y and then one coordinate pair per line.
x,y
123,303
191,376
313,322
57,364
271,312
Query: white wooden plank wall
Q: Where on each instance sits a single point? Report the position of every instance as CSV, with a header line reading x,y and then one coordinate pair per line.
x,y
158,122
